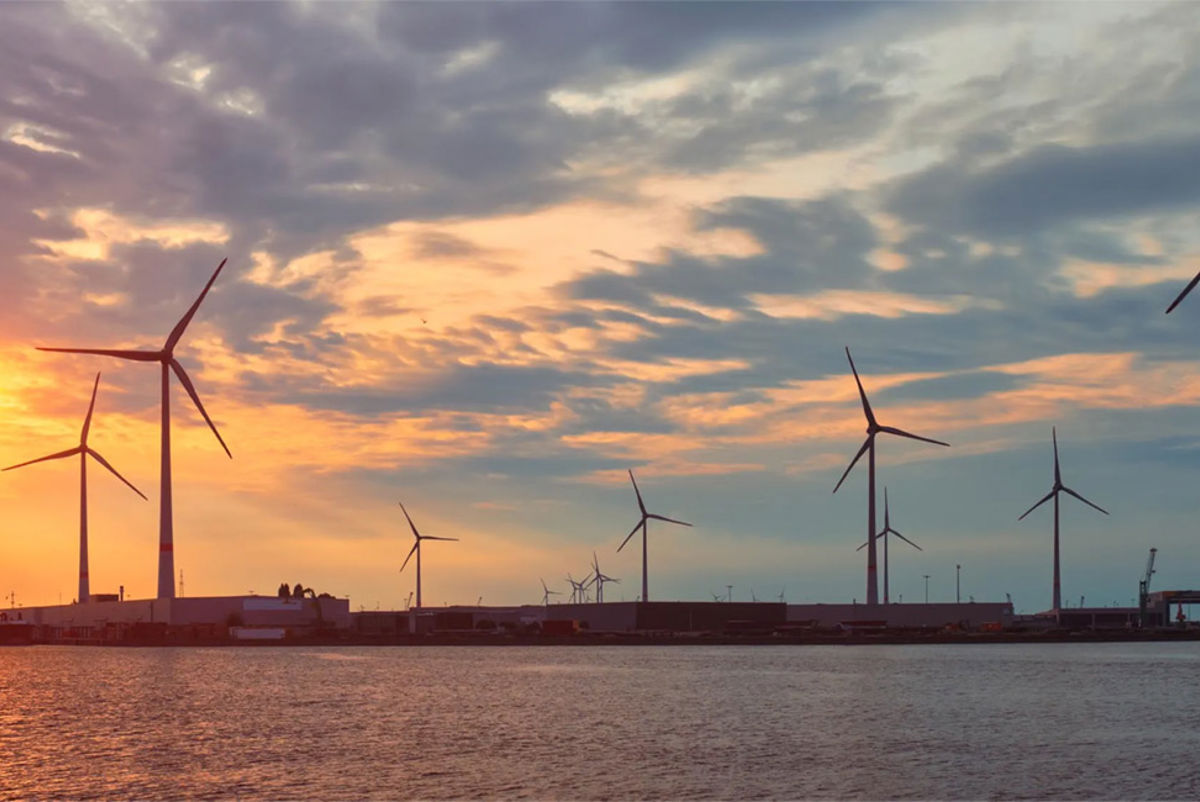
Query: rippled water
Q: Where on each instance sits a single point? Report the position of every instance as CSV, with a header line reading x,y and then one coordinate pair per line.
x,y
942,722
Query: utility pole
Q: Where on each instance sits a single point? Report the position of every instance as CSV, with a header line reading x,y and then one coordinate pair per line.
x,y
957,586
926,588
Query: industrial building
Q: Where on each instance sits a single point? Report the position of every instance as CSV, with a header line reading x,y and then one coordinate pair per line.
x,y
191,619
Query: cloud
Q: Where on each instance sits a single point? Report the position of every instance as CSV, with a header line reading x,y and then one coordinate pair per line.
x,y
1053,185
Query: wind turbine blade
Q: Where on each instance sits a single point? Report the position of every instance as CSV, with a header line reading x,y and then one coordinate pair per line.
x,y
1044,499
861,392
434,537
1054,438
641,505
191,391
114,472
910,435
866,444
69,452
1084,500
87,421
906,540
632,532
411,525
138,356
410,554
863,546
665,518
1191,285
177,332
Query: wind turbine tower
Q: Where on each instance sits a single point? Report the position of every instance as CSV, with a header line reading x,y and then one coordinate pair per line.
x,y
888,530
84,451
642,525
1059,487
416,549
599,578
165,356
547,593
868,447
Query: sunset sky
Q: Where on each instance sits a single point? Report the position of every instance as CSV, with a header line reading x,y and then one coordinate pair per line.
x,y
486,258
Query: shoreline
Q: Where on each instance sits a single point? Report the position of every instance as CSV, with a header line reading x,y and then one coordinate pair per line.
x,y
815,638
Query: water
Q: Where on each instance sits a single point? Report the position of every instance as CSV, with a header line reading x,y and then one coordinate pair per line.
x,y
1062,721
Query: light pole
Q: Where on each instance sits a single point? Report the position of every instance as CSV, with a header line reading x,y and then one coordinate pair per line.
x,y
926,588
957,595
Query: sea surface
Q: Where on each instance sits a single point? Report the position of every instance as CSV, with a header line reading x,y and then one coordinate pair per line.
x,y
1061,721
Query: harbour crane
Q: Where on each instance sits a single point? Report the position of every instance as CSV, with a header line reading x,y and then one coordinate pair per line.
x,y
1144,588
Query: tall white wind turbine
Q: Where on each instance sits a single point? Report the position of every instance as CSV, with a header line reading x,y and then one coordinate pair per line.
x,y
84,451
165,356
1054,491
868,447
642,525
417,538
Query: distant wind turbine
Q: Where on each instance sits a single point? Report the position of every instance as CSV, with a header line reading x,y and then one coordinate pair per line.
x,y
1054,491
84,451
166,357
417,538
547,593
888,530
598,579
868,447
642,525
1191,285
578,589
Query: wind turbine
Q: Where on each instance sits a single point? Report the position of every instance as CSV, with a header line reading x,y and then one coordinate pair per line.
x,y
578,596
547,593
888,530
84,451
642,525
1191,285
598,579
166,357
417,538
1054,491
868,447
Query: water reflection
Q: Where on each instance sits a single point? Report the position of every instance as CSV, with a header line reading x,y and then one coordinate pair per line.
x,y
1062,721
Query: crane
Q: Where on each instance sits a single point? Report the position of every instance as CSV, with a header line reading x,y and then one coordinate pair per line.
x,y
1144,588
